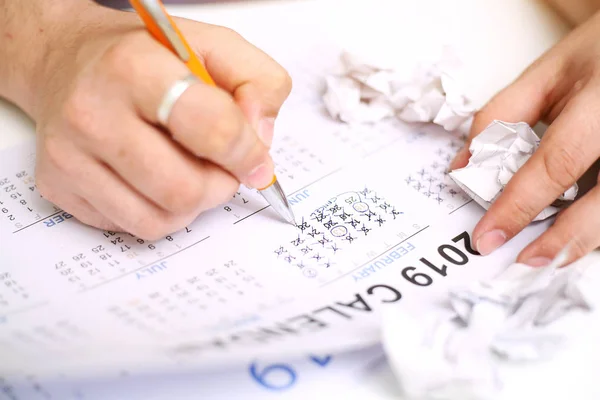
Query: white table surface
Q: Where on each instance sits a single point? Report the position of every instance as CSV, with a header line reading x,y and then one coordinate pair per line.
x,y
497,39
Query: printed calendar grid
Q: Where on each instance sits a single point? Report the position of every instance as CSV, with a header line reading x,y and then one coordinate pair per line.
x,y
335,227
42,219
363,154
374,257
115,260
299,158
149,264
231,289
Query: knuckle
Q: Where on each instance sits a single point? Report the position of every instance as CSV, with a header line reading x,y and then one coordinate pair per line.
x,y
229,33
54,153
82,117
218,188
282,81
224,133
523,215
562,166
184,196
148,228
76,111
119,59
224,195
227,194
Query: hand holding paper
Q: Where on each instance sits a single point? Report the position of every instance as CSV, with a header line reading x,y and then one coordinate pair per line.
x,y
560,89
497,153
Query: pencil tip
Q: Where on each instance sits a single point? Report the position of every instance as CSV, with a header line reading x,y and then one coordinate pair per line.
x,y
291,218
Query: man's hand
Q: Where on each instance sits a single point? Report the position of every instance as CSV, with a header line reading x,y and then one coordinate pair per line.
x,y
563,89
102,155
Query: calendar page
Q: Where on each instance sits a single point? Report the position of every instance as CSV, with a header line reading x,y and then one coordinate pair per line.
x,y
379,223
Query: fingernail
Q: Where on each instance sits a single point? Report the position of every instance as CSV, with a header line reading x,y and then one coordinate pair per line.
x,y
260,177
266,127
538,261
490,241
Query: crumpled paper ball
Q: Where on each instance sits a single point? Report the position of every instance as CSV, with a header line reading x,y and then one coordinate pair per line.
x,y
497,153
368,89
453,351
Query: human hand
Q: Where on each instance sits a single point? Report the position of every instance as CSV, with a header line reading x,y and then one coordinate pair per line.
x,y
562,88
101,154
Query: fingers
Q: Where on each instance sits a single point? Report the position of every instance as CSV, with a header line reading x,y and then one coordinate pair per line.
x,y
107,193
525,100
111,196
146,200
84,212
55,189
258,83
208,123
578,226
80,209
567,150
205,120
162,171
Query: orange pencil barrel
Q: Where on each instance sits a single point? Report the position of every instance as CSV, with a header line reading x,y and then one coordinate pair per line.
x,y
193,63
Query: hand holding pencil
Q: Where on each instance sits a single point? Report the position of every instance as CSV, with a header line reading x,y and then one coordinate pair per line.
x,y
129,140
163,28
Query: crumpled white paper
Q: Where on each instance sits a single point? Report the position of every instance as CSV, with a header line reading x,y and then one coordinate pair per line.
x,y
496,155
454,352
367,90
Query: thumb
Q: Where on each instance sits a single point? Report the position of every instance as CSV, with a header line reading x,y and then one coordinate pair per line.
x,y
525,100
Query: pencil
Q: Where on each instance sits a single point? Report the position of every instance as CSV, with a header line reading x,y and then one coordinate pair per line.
x,y
162,27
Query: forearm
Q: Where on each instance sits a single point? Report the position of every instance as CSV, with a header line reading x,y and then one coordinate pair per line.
x,y
575,11
27,32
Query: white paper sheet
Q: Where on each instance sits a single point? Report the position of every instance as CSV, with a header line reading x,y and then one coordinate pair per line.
x,y
496,155
238,286
85,301
327,374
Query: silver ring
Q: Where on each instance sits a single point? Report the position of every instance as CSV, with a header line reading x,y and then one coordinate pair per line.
x,y
171,97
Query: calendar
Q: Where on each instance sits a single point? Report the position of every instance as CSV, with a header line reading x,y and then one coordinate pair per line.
x,y
379,222
238,281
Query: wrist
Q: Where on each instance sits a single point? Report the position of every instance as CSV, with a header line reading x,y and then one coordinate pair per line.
x,y
29,31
